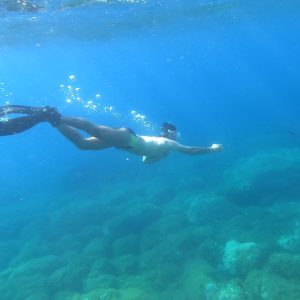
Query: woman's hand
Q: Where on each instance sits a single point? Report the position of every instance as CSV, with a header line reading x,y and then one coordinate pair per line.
x,y
216,147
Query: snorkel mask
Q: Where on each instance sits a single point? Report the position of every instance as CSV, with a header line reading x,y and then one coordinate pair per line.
x,y
169,131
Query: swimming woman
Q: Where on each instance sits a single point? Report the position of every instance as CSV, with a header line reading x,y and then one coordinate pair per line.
x,y
151,148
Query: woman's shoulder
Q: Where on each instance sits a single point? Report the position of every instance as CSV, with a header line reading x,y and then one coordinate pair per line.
x,y
154,139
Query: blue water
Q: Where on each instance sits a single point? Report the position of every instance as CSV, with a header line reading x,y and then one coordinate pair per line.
x,y
224,72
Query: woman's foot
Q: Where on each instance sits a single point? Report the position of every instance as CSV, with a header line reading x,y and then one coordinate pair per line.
x,y
49,114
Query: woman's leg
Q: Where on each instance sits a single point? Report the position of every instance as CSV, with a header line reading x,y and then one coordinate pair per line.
x,y
110,137
78,140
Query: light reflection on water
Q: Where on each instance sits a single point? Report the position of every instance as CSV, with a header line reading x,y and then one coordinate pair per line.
x,y
96,19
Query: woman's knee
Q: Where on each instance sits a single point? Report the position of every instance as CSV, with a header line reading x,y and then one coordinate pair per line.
x,y
83,145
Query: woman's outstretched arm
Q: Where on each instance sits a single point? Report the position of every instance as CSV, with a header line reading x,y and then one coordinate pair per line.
x,y
194,150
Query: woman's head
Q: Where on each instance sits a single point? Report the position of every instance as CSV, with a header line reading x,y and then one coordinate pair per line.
x,y
169,131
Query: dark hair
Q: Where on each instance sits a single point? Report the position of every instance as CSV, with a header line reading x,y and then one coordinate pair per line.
x,y
169,131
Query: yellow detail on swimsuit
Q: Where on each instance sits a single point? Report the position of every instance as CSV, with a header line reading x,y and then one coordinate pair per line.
x,y
133,141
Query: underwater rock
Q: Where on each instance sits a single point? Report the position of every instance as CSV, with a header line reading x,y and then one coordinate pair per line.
x,y
206,208
134,293
253,284
231,291
74,275
162,254
62,295
210,249
188,241
196,276
211,291
43,265
56,280
104,267
68,244
290,242
96,248
269,286
8,250
39,295
109,268
157,232
69,277
76,217
128,264
240,258
103,281
135,221
164,275
36,248
24,286
286,265
126,245
263,178
99,294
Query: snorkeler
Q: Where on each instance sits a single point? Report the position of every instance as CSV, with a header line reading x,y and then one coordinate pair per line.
x,y
151,148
